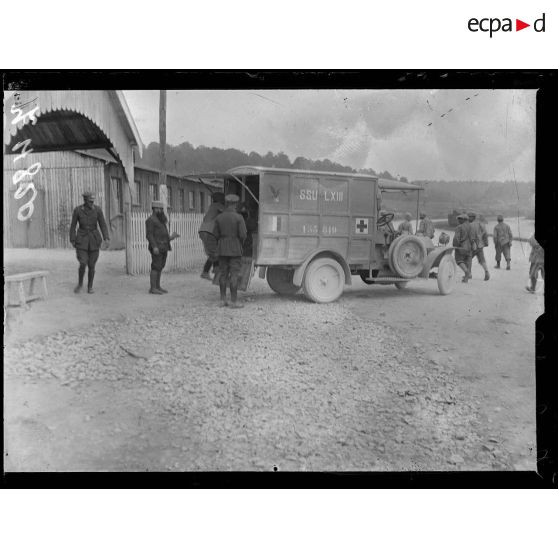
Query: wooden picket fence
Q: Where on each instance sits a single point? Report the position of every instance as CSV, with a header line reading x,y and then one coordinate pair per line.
x,y
187,251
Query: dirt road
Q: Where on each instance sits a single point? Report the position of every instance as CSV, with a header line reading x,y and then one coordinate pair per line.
x,y
381,380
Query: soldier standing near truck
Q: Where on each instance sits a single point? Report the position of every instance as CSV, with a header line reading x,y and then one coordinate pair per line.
x,y
426,227
480,240
87,240
230,232
206,233
502,242
406,227
463,245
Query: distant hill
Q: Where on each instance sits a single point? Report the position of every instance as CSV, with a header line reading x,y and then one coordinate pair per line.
x,y
440,197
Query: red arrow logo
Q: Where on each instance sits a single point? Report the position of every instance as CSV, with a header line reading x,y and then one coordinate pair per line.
x,y
519,25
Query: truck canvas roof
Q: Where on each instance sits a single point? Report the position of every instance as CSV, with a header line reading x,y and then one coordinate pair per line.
x,y
383,183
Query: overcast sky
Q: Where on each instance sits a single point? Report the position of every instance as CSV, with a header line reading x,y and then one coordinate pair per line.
x,y
420,134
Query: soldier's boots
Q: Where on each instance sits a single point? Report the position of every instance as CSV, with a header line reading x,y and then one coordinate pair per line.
x,y
81,273
486,276
153,283
90,277
497,266
158,283
508,267
205,275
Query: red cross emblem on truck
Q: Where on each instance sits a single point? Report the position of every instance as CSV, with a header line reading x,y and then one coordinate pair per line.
x,y
361,226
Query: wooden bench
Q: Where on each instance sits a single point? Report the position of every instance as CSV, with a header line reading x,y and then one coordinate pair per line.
x,y
19,280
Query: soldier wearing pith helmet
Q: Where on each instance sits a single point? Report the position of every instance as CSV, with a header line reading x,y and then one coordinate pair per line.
x,y
87,239
159,245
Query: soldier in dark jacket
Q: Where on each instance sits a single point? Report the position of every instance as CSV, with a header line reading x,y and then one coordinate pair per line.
x,y
159,245
502,242
206,233
230,231
480,240
87,240
462,241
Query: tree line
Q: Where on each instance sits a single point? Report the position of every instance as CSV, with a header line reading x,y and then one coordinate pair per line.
x,y
186,159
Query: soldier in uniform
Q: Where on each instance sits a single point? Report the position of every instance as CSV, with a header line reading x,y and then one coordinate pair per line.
x,y
230,231
537,263
206,233
502,242
406,226
463,245
159,245
480,240
426,227
87,240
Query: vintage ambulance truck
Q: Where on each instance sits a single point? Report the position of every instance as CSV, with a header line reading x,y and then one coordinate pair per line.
x,y
317,230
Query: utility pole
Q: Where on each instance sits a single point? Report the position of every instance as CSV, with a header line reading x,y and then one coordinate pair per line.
x,y
162,146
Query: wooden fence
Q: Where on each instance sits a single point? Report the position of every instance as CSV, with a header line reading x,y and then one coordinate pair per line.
x,y
187,251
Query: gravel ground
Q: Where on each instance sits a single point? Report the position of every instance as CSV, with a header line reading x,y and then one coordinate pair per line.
x,y
282,384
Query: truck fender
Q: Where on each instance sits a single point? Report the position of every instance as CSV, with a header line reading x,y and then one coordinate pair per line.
x,y
299,271
433,259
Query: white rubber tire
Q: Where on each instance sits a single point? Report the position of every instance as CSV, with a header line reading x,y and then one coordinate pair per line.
x,y
447,274
324,280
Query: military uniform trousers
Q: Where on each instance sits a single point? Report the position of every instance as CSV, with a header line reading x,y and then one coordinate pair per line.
x,y
158,261
87,257
229,268
502,249
209,245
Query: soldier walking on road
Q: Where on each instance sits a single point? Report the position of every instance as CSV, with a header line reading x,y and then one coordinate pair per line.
x,y
537,263
463,245
159,245
426,227
480,240
206,233
406,227
87,241
502,242
230,232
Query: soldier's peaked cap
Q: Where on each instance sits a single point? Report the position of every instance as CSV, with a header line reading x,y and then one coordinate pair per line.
x,y
463,216
157,203
471,214
88,194
233,198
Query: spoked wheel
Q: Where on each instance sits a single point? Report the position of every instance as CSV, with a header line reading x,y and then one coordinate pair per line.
x,y
406,256
447,272
280,279
401,284
324,280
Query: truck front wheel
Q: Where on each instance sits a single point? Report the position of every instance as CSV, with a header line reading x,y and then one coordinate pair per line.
x,y
446,274
324,280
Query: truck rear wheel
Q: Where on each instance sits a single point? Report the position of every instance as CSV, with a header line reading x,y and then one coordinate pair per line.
x,y
401,284
280,279
446,274
324,280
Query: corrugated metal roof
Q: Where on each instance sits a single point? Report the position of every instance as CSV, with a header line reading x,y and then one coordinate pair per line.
x,y
72,120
